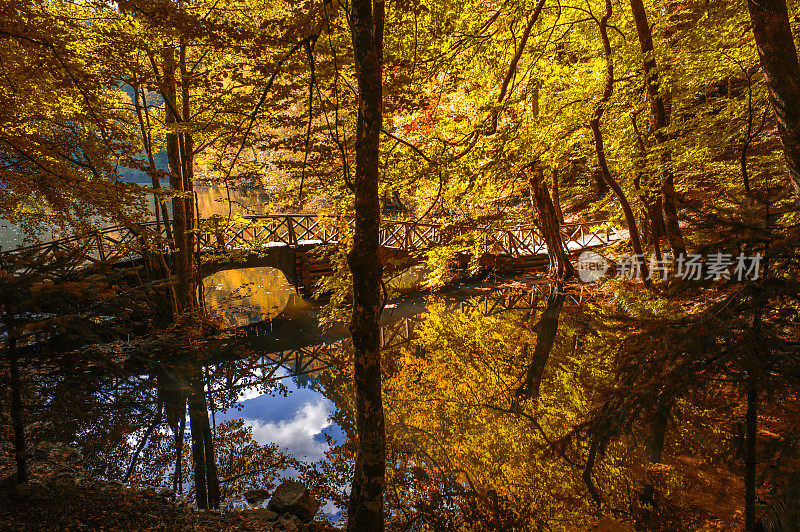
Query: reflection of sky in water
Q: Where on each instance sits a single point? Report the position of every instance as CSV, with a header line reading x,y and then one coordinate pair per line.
x,y
297,423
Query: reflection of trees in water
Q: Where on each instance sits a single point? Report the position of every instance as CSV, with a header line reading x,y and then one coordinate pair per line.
x,y
475,403
247,295
130,424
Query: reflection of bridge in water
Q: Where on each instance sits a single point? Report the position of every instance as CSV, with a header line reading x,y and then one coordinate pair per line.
x,y
396,333
282,241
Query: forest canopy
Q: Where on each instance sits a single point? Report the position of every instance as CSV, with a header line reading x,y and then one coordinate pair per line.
x,y
148,145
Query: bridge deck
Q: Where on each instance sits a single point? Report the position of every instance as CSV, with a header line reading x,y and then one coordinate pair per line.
x,y
215,235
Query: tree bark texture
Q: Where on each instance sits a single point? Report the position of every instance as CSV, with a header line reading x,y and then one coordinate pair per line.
x,y
659,119
548,224
182,212
594,124
365,510
778,55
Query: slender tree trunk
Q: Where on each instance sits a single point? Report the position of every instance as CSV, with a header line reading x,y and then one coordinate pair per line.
x,y
143,116
16,413
652,221
198,450
557,196
630,218
751,421
545,339
594,124
548,224
659,119
179,435
366,496
776,49
187,159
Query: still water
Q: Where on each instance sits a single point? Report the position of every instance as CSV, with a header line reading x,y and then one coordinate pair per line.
x,y
479,382
211,200
281,394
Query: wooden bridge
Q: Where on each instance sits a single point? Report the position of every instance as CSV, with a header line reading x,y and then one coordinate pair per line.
x,y
274,240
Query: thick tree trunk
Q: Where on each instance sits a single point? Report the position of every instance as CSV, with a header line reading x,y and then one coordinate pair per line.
x,y
366,495
16,413
182,219
545,339
203,456
594,124
655,447
171,393
548,224
198,451
659,119
776,49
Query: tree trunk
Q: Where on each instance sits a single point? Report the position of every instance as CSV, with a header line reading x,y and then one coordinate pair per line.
x,y
16,413
652,220
655,447
204,462
557,196
187,160
751,421
600,185
594,124
778,55
198,450
212,480
179,434
545,338
171,393
366,496
548,224
182,220
659,119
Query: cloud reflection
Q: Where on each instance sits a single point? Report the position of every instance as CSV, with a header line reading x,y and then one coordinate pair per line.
x,y
301,434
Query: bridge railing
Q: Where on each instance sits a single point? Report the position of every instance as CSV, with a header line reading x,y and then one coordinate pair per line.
x,y
116,244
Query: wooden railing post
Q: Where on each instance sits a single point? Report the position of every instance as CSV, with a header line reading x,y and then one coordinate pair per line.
x,y
290,227
100,249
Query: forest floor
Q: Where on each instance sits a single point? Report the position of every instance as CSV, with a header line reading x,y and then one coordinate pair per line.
x,y
61,495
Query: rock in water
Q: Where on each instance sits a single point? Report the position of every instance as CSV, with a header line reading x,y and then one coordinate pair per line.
x,y
293,497
256,496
